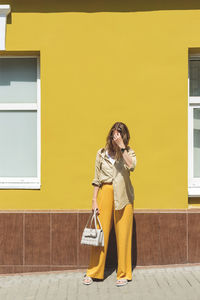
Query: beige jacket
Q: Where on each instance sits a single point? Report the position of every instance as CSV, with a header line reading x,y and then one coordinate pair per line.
x,y
119,174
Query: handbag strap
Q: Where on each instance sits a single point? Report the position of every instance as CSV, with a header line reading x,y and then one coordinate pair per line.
x,y
94,216
91,216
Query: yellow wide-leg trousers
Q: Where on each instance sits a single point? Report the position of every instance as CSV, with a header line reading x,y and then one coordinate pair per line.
x,y
123,222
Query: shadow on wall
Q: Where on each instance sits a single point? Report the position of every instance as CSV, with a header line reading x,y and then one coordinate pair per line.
x,y
194,201
99,5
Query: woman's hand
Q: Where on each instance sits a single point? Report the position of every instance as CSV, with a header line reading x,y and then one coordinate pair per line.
x,y
117,138
95,207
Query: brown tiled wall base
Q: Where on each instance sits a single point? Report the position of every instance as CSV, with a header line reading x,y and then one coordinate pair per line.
x,y
50,240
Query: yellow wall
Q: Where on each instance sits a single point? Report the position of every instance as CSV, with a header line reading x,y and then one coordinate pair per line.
x,y
98,68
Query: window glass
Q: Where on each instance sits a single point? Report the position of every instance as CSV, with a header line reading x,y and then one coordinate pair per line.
x,y
18,147
194,77
18,80
196,149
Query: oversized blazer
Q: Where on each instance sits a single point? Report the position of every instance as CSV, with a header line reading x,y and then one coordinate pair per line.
x,y
117,173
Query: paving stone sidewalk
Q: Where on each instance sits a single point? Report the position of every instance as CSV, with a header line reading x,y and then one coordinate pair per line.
x,y
152,283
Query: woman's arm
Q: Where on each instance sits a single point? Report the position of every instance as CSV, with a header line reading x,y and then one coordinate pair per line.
x,y
130,156
94,199
128,159
96,183
95,193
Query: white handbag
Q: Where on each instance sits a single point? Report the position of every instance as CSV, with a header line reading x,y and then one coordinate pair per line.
x,y
93,236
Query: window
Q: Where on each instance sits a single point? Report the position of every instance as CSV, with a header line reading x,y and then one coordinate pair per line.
x,y
194,125
19,122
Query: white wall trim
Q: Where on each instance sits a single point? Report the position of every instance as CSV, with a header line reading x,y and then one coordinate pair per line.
x,y
26,182
4,11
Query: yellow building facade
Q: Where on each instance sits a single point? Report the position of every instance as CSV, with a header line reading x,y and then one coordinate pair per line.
x,y
100,63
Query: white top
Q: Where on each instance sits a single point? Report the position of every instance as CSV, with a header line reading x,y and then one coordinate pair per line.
x,y
110,158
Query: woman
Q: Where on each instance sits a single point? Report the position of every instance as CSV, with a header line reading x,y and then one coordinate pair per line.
x,y
115,198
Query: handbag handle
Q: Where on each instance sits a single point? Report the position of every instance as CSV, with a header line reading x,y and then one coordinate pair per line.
x,y
88,221
93,216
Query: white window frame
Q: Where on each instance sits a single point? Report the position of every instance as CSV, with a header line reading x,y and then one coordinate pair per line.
x,y
193,102
26,182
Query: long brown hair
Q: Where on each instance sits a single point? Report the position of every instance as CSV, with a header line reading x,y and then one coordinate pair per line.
x,y
123,130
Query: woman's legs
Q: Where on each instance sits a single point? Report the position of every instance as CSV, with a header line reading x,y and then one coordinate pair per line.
x,y
98,253
123,222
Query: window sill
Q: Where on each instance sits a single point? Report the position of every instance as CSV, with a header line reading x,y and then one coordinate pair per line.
x,y
8,185
194,192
